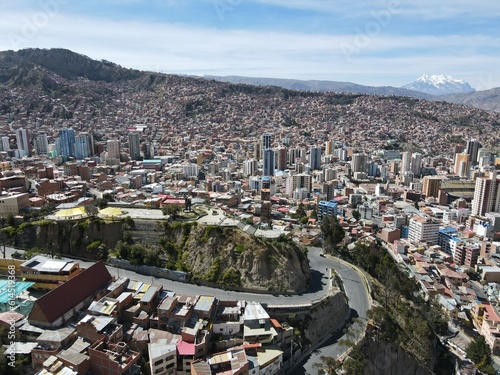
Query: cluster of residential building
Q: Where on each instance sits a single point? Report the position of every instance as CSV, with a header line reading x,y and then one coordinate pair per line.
x,y
95,323
258,156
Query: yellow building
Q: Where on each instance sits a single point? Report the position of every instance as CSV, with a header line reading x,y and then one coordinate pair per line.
x,y
48,273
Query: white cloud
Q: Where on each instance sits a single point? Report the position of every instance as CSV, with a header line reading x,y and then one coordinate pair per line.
x,y
431,9
190,50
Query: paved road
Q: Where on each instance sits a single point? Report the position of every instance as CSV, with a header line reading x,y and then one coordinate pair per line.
x,y
359,302
354,286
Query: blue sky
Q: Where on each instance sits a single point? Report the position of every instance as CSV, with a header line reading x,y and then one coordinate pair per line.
x,y
375,42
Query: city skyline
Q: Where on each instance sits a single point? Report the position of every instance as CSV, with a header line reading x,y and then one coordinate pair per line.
x,y
383,43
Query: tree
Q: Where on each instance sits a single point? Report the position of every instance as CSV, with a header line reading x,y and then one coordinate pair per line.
x,y
356,215
91,211
300,213
333,233
101,203
354,366
479,352
171,210
328,365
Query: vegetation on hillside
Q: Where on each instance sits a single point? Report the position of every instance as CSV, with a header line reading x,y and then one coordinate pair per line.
x,y
400,315
479,352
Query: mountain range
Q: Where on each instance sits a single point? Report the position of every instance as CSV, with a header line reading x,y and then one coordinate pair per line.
x,y
20,68
434,88
440,85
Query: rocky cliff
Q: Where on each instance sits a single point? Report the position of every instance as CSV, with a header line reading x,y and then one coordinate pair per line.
x,y
230,256
89,239
214,255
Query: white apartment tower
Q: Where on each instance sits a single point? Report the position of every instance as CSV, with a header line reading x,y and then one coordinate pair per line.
x,y
423,229
486,195
23,142
416,163
405,162
249,167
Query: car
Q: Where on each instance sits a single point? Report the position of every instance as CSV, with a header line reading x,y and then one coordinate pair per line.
x,y
322,255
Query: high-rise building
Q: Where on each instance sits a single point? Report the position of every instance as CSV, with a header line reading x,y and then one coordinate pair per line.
x,y
486,195
329,174
257,150
472,149
405,162
113,149
327,208
66,143
423,229
89,142
359,163
462,164
416,163
81,147
249,167
484,157
315,158
134,145
266,141
293,154
5,143
431,186
23,142
303,155
298,181
281,163
92,143
41,144
149,150
329,148
269,162
190,170
329,189
341,153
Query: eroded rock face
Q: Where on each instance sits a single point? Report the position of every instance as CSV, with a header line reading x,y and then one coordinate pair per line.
x,y
234,257
223,255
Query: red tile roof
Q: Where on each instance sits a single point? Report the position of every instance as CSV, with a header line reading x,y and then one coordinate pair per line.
x,y
57,302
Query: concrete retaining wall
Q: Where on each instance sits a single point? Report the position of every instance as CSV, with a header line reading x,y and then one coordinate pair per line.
x,y
151,271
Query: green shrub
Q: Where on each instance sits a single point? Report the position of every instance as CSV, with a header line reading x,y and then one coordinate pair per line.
x,y
231,277
24,226
94,245
44,223
83,225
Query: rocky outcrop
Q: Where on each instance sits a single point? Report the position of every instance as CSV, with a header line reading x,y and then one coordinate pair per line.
x,y
214,255
75,238
230,256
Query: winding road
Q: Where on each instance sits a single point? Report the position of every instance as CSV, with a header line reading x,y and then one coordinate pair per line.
x,y
353,284
359,302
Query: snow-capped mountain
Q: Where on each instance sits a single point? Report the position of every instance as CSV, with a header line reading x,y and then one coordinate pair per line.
x,y
439,85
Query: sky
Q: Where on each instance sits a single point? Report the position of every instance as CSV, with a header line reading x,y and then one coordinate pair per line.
x,y
376,42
